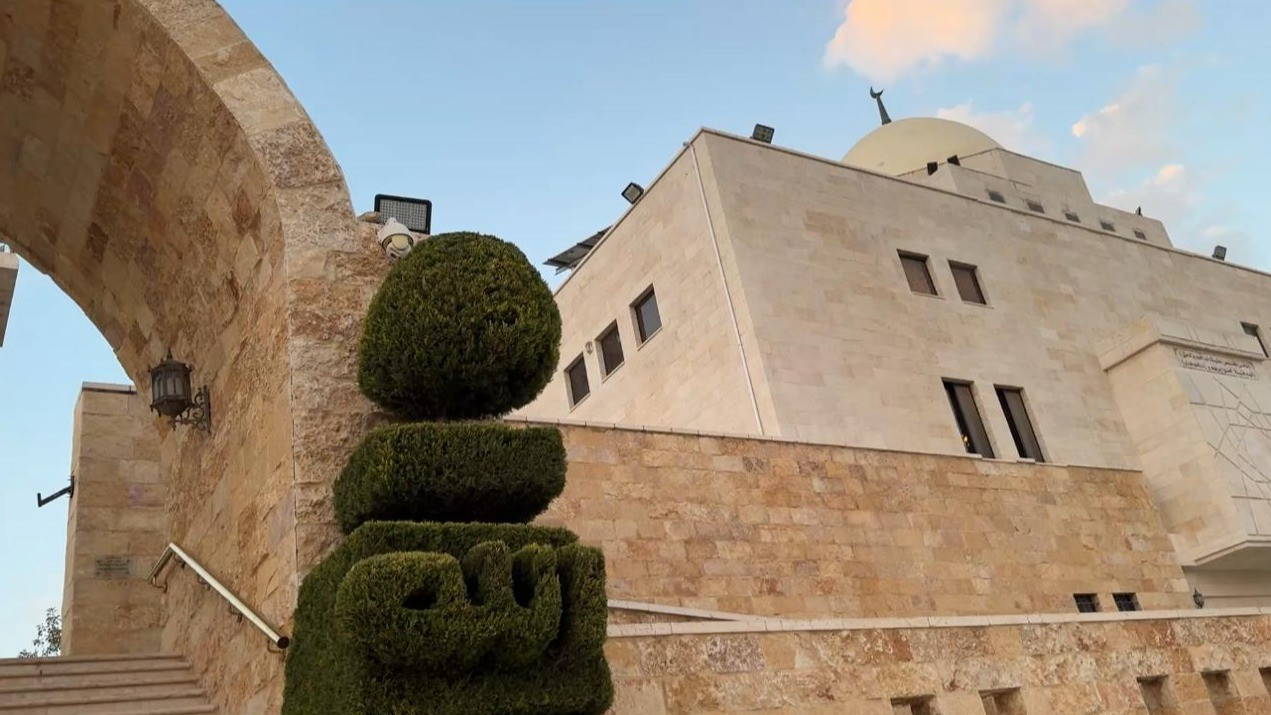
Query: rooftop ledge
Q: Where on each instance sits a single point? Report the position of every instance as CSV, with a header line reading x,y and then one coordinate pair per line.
x,y
760,624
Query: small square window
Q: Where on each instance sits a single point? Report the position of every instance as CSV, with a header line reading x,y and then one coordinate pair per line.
x,y
1140,235
610,349
1157,695
1252,331
1222,691
576,379
1126,601
1107,225
1002,702
968,282
648,320
917,273
1072,216
1086,602
996,196
921,705
1035,206
1266,678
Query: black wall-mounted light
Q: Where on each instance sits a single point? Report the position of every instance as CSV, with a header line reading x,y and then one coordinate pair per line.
x,y
1198,598
173,396
633,192
763,133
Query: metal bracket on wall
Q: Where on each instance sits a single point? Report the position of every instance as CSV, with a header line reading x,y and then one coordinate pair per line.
x,y
69,491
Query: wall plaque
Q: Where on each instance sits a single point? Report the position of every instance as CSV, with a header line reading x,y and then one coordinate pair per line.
x,y
113,567
1215,363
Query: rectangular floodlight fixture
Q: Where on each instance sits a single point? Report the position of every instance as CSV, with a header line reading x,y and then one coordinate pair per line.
x,y
763,134
633,192
415,214
1220,252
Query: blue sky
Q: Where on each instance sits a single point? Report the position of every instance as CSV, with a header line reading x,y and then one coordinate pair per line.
x,y
526,119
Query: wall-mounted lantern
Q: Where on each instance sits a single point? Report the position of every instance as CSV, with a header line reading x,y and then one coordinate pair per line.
x,y
1198,598
172,395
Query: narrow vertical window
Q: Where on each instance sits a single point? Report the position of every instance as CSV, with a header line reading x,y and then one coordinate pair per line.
x,y
967,416
1252,330
917,273
576,375
1086,602
966,277
1026,444
1222,692
648,320
610,349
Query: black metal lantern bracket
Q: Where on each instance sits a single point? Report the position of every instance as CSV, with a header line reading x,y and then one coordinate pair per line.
x,y
171,395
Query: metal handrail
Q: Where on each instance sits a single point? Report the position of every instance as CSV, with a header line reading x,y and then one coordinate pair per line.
x,y
172,550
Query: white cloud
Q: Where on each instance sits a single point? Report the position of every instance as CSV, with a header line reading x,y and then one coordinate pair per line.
x,y
1013,128
1163,23
1133,130
885,39
1175,195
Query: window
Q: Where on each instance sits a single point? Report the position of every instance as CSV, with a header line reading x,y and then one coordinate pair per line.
x,y
1140,235
1252,330
610,349
996,196
917,273
1072,216
1221,690
1266,678
1157,695
576,375
1026,444
1126,601
648,320
967,416
1108,225
922,705
1035,206
964,276
1086,602
1002,702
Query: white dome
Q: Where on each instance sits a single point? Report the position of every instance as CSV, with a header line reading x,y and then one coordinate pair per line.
x,y
908,144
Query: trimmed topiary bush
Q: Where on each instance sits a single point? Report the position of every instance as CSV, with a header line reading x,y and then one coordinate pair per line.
x,y
389,579
429,471
462,328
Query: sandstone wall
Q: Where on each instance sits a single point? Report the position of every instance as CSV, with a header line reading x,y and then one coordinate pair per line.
x,y
1194,665
780,528
116,528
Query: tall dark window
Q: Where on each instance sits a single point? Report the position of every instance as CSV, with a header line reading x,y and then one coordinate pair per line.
x,y
648,321
967,415
1026,444
964,276
1086,602
1251,329
610,349
917,273
576,375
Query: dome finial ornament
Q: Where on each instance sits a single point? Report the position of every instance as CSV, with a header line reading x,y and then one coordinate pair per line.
x,y
882,111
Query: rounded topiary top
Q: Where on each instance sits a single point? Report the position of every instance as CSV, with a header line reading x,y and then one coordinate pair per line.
x,y
462,328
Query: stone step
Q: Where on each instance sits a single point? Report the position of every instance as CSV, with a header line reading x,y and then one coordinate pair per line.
x,y
106,702
175,672
137,690
26,667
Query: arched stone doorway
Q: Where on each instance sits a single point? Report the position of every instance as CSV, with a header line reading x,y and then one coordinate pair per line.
x,y
155,165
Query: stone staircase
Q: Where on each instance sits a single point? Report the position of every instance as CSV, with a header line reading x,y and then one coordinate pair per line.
x,y
109,685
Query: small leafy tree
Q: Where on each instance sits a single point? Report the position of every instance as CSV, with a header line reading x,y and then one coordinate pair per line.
x,y
48,637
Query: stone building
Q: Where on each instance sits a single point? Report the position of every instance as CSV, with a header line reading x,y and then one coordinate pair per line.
x,y
8,279
934,292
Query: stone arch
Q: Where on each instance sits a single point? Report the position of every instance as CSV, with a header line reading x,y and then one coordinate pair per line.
x,y
155,165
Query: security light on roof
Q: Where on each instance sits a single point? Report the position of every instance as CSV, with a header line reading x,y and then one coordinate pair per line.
x,y
633,192
415,214
762,134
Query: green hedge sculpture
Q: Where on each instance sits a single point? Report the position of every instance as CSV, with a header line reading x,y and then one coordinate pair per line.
x,y
442,599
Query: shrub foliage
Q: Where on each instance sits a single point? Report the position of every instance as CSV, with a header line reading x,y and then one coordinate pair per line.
x,y
430,471
462,328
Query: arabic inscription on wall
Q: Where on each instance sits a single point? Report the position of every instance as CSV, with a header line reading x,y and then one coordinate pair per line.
x,y
1215,363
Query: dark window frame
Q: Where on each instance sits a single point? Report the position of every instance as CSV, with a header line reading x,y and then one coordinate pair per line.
x,y
1107,225
1254,331
1023,430
643,334
570,391
974,272
925,262
1086,602
1140,234
1126,602
996,196
605,368
1072,216
967,417
1035,206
